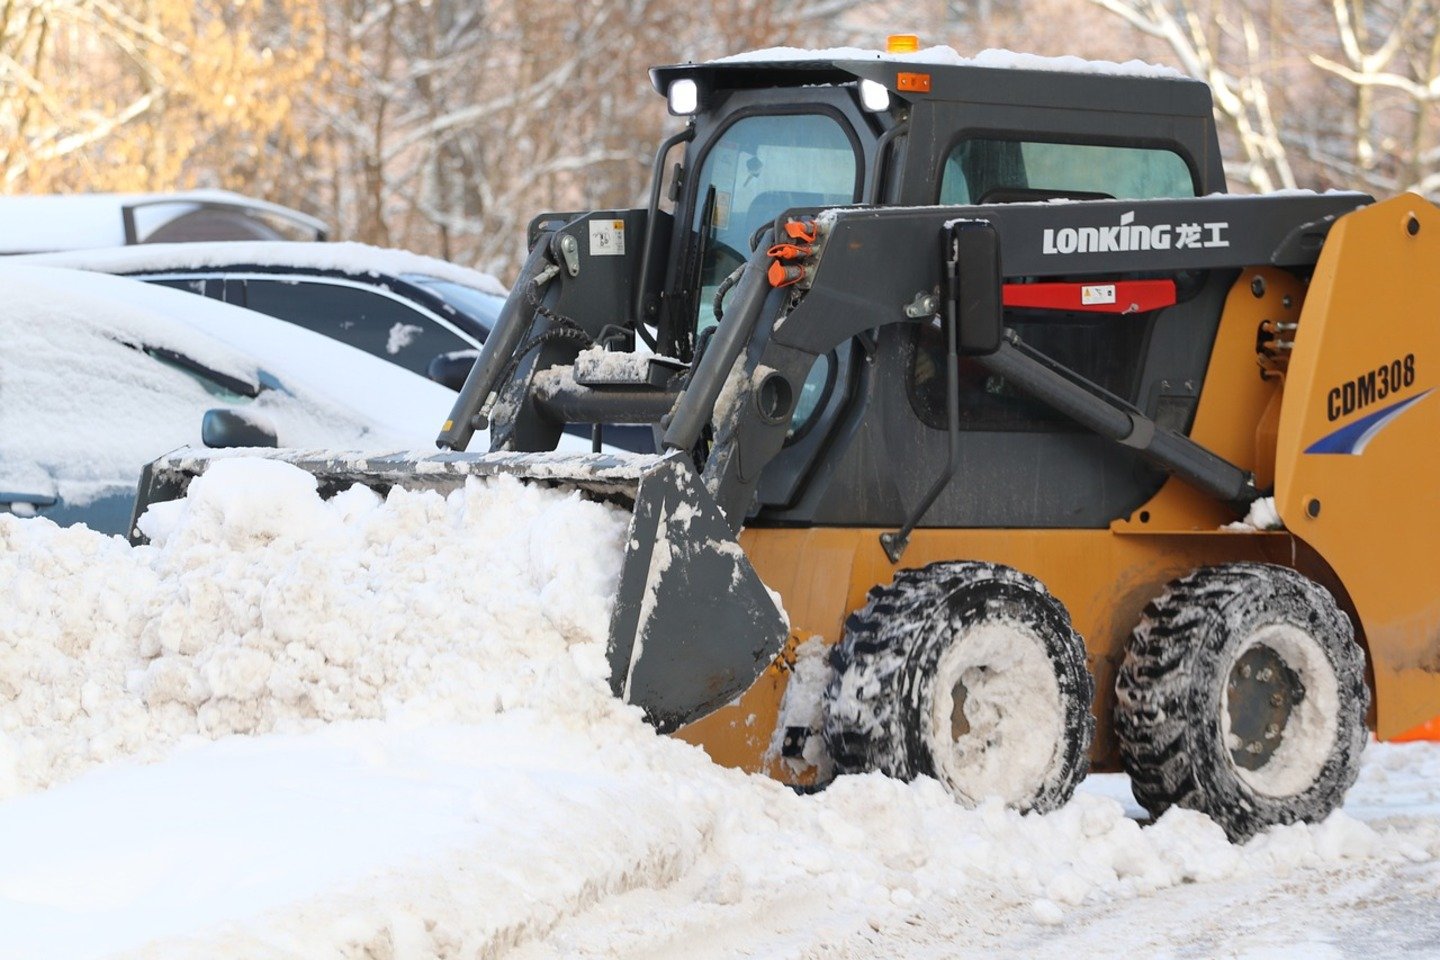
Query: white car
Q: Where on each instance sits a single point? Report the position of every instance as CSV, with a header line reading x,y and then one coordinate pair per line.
x,y
100,375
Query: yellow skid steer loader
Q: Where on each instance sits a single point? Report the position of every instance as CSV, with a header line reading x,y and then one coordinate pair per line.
x,y
976,371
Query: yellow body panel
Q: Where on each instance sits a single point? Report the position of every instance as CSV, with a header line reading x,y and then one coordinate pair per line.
x,y
1232,415
1372,316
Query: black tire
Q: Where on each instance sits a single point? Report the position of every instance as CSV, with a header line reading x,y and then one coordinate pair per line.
x,y
1243,696
961,628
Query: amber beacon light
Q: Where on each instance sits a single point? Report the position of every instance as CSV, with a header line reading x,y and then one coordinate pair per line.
x,y
902,43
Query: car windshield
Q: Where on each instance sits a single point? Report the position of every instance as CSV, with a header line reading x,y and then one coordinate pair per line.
x,y
480,305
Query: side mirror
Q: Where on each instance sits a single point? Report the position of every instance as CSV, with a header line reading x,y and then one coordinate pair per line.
x,y
974,285
451,369
228,427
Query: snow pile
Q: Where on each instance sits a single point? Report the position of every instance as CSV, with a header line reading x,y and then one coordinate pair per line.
x,y
944,56
263,608
432,766
575,841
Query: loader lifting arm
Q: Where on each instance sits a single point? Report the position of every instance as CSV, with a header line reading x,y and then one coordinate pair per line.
x,y
871,263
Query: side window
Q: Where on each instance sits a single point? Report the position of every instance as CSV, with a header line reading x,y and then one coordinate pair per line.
x,y
759,167
989,171
1103,348
205,286
366,320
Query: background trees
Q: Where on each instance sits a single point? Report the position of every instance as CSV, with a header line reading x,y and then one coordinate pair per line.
x,y
444,125
149,94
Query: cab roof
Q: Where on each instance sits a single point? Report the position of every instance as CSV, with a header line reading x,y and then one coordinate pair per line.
x,y
994,76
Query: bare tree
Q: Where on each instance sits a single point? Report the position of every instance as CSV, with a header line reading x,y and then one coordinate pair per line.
x,y
444,125
1339,93
148,93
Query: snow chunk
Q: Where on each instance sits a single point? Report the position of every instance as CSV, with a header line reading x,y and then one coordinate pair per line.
x,y
1262,515
401,335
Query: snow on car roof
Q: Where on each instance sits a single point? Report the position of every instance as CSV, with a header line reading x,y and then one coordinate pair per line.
x,y
84,410
84,220
995,59
355,259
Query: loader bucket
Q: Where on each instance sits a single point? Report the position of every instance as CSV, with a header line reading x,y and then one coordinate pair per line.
x,y
693,625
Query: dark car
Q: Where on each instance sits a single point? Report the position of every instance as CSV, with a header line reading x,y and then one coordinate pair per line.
x,y
417,312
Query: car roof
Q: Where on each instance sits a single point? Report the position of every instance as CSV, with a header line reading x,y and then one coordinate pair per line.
x,y
399,406
357,260
45,222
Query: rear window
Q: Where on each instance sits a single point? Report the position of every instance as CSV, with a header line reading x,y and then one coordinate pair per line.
x,y
1003,171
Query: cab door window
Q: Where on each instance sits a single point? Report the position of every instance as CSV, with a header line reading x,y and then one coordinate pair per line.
x,y
759,167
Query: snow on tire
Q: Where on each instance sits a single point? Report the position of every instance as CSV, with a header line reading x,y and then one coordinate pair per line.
x,y
969,673
1243,696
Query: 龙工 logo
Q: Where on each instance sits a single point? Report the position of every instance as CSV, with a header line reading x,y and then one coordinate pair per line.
x,y
1127,235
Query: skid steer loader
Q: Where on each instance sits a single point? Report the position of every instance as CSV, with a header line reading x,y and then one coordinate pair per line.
x,y
971,370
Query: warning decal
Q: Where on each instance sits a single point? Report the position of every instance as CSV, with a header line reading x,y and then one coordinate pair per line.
x,y
607,238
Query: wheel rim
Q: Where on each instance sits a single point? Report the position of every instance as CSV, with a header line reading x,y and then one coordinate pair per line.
x,y
1278,710
1262,691
997,717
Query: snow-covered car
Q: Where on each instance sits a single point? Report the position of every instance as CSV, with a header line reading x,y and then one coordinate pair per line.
x,y
424,314
99,375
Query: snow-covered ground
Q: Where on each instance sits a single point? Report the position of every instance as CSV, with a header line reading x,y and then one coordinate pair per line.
x,y
301,729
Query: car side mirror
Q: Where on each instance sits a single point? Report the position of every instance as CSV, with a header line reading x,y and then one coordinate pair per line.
x,y
227,427
975,288
451,369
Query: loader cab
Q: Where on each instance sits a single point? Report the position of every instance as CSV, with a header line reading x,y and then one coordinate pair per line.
x,y
819,133
764,139
813,132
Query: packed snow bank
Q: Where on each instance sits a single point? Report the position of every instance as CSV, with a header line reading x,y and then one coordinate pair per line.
x,y
532,832
261,607
431,765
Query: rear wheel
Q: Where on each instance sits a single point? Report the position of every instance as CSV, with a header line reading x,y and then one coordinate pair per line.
x,y
969,673
1243,696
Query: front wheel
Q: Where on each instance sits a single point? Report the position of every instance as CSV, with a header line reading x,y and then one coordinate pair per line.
x,y
969,673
